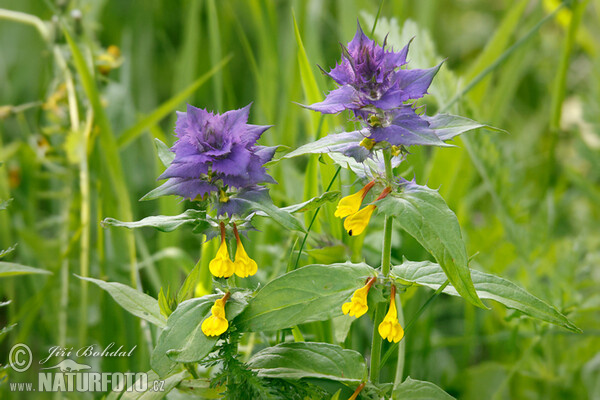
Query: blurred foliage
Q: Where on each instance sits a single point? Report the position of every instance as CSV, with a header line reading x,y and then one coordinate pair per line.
x,y
527,201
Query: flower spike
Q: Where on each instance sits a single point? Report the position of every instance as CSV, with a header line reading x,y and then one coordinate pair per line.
x,y
390,329
244,266
356,223
216,324
357,306
221,266
351,204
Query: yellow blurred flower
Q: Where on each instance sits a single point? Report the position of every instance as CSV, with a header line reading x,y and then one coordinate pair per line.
x,y
357,306
221,266
390,329
216,324
109,60
350,204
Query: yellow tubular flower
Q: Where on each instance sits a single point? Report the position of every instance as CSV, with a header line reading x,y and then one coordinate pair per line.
x,y
244,265
221,266
357,222
390,328
351,204
216,324
358,303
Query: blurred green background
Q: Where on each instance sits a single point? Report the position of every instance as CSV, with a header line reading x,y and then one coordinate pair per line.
x,y
527,201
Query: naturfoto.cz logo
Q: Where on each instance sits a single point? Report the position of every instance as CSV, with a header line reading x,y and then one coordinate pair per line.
x,y
71,376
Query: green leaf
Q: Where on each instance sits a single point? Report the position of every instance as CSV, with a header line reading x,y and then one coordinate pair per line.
x,y
6,252
487,286
165,154
137,303
154,382
419,390
163,303
183,340
168,106
299,360
12,269
5,204
309,205
282,217
447,126
311,293
424,215
201,389
189,285
164,223
328,144
315,202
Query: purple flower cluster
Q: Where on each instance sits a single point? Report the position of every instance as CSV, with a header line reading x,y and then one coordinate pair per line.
x,y
217,153
376,89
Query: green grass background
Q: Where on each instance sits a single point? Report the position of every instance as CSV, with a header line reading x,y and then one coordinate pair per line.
x,y
528,201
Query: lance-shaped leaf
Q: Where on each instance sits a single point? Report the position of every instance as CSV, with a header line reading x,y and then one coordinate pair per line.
x,y
138,303
311,293
488,286
310,360
447,126
165,223
4,204
149,381
165,154
279,215
12,269
335,142
419,390
424,215
183,340
309,205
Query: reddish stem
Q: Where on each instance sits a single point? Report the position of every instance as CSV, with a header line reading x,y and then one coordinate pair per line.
x,y
226,296
235,232
384,193
222,232
357,391
366,188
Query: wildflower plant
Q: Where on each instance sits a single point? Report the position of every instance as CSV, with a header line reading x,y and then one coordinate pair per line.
x,y
217,166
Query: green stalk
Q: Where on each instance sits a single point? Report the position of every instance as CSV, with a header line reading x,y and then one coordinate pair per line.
x,y
28,19
386,256
85,213
376,344
314,217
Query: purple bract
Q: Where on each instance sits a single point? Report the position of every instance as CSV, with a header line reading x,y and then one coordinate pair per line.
x,y
216,152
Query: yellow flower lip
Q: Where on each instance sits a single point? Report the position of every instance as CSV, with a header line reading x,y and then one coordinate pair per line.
x,y
351,204
356,223
221,266
357,306
217,323
244,266
390,329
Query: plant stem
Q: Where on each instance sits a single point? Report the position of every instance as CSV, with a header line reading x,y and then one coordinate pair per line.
x,y
314,218
376,344
29,19
386,256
